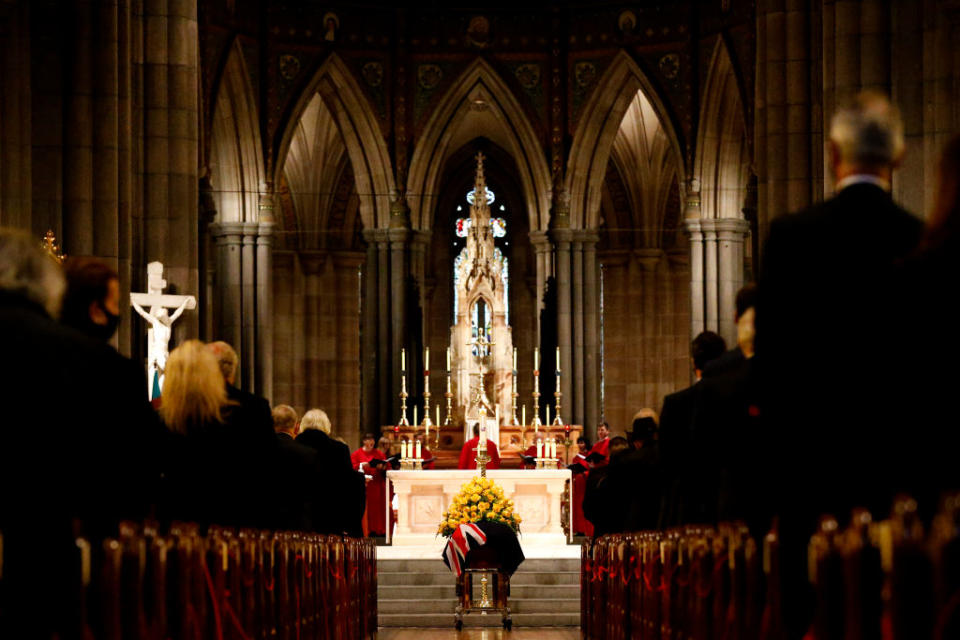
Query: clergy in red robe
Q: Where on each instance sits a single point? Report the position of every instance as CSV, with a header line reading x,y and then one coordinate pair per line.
x,y
374,518
603,444
468,455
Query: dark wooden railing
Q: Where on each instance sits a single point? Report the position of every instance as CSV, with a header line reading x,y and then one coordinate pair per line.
x,y
885,580
227,585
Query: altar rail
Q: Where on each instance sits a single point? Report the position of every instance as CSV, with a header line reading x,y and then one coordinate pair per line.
x,y
872,581
227,585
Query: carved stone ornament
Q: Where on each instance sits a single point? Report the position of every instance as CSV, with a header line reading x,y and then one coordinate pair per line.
x,y
429,76
289,66
478,31
528,75
584,73
373,73
670,66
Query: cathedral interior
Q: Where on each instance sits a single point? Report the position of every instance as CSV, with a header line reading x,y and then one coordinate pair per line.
x,y
303,169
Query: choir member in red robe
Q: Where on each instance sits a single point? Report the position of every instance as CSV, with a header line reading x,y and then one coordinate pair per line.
x,y
468,455
603,444
580,522
374,518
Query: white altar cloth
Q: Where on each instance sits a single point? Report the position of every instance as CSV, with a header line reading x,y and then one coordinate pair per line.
x,y
423,496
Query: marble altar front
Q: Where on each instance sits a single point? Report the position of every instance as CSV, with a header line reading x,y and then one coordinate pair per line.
x,y
538,496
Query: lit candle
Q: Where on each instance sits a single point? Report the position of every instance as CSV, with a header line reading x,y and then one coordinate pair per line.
x,y
418,450
558,359
415,415
536,359
403,360
438,416
514,358
448,359
523,411
426,359
539,448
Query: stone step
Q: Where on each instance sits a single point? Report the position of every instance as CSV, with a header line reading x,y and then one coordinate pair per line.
x,y
437,566
446,620
417,592
520,578
439,606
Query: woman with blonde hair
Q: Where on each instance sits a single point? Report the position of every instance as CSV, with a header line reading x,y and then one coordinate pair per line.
x,y
216,469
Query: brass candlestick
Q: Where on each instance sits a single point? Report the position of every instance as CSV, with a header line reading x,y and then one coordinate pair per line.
x,y
536,424
513,399
482,456
557,421
403,401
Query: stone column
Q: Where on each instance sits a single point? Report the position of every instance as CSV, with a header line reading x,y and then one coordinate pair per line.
x,y
264,297
78,161
578,312
248,322
399,238
228,308
592,355
15,118
369,404
384,375
730,236
710,274
564,320
544,263
315,306
694,233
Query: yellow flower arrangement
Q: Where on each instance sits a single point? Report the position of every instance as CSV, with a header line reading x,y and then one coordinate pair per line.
x,y
478,500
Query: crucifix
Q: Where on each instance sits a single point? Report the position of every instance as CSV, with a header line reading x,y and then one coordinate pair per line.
x,y
161,322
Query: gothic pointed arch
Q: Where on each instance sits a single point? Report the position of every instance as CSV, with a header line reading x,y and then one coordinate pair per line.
x,y
236,158
597,129
722,158
357,124
478,103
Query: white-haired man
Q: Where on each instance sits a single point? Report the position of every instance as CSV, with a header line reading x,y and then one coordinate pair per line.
x,y
823,334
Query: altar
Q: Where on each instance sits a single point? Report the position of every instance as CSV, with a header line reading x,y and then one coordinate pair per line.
x,y
539,497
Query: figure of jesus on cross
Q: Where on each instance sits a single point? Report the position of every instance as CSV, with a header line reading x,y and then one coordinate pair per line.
x,y
161,322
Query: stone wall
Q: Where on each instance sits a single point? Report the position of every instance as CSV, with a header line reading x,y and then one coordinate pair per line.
x,y
646,331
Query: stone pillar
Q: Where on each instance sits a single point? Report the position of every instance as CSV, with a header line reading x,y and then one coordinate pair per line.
x,y
399,239
578,312
78,160
347,336
543,251
710,274
694,233
228,304
730,237
384,375
369,415
316,306
564,320
247,379
264,298
15,118
592,355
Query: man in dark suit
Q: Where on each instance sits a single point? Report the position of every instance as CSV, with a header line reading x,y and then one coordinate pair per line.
x,y
822,328
296,474
745,302
676,440
70,443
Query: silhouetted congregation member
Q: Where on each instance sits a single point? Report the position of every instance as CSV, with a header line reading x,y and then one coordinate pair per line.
x,y
823,316
91,303
682,455
468,454
636,478
296,478
217,470
745,304
372,463
255,406
334,511
603,500
70,443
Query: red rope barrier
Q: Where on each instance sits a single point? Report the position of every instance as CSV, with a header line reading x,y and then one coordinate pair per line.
x,y
213,599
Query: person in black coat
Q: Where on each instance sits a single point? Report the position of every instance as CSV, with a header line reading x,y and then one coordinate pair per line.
x,y
296,475
823,328
340,494
603,498
70,442
637,478
746,301
680,452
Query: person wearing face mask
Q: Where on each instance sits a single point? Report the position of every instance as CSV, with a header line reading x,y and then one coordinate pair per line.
x,y
91,304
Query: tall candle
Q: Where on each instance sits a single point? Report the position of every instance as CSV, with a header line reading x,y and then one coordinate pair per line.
x,y
415,415
403,359
514,358
426,360
523,410
558,359
536,358
418,450
448,359
539,449
438,415
403,449
547,422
